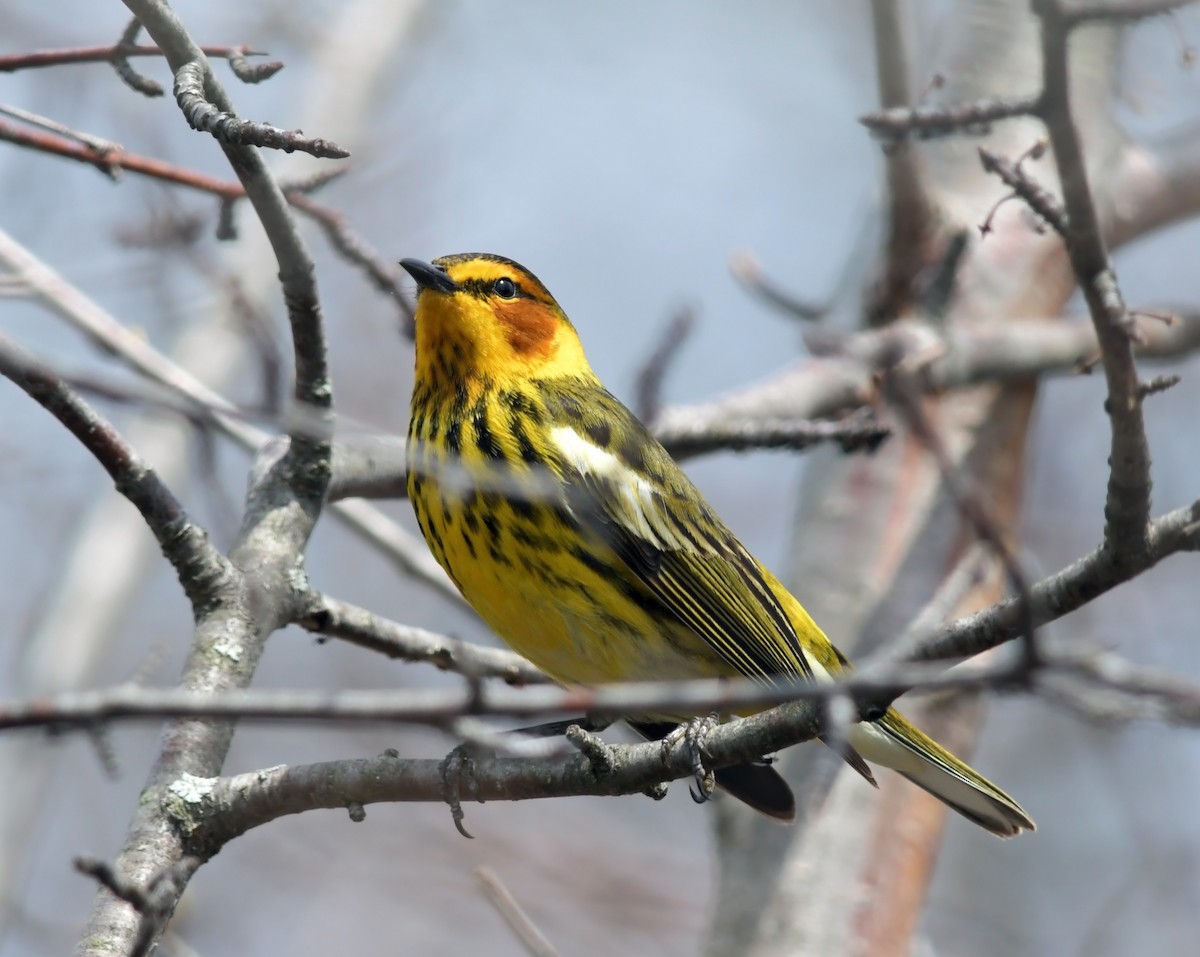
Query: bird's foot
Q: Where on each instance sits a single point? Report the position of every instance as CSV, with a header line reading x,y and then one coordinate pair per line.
x,y
455,767
691,735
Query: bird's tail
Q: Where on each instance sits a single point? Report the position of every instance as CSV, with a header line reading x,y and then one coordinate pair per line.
x,y
895,743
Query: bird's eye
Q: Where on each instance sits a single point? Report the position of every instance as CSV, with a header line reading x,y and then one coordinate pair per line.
x,y
505,288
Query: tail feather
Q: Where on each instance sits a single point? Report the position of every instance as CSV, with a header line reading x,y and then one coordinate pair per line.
x,y
895,743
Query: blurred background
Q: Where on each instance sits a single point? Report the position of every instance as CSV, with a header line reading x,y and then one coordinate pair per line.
x,y
623,152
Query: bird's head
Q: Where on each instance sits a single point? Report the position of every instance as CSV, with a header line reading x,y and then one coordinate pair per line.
x,y
484,316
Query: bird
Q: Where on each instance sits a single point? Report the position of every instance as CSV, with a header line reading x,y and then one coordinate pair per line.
x,y
578,539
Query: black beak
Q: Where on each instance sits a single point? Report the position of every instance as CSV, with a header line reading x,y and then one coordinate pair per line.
x,y
429,277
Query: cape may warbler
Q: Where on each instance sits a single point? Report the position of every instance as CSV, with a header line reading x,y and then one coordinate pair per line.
x,y
578,539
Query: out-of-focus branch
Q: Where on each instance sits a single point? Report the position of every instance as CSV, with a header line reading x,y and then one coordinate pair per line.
x,y
1156,184
352,247
857,432
10,63
372,525
339,619
202,571
873,687
654,370
965,354
901,121
280,513
1068,589
296,271
1078,12
750,274
154,901
213,810
532,939
913,214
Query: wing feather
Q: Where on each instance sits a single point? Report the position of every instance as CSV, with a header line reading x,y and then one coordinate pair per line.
x,y
669,539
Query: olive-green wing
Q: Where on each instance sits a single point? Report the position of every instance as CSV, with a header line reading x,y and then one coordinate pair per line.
x,y
658,524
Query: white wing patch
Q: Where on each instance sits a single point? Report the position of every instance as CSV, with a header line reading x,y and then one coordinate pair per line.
x,y
633,502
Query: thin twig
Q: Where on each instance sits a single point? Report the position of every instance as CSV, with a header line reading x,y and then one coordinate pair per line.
x,y
125,70
518,921
38,59
155,901
750,274
901,393
95,143
226,127
1039,199
929,121
356,250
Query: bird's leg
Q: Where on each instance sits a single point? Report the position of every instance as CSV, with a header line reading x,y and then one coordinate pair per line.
x,y
692,734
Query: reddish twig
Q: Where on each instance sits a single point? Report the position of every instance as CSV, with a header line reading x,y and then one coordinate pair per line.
x,y
40,59
383,275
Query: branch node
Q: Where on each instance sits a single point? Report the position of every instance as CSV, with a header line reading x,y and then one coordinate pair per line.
x,y
1039,199
600,755
227,128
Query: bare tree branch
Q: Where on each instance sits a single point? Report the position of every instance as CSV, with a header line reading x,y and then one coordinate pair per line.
x,y
900,121
155,901
856,432
1127,511
202,571
280,513
227,128
913,215
384,275
338,619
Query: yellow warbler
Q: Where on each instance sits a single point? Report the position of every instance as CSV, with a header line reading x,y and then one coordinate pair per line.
x,y
579,540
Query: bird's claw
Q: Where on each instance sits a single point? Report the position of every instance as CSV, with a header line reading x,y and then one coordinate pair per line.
x,y
692,734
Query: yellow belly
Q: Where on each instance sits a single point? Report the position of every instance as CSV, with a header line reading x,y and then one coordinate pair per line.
x,y
555,595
